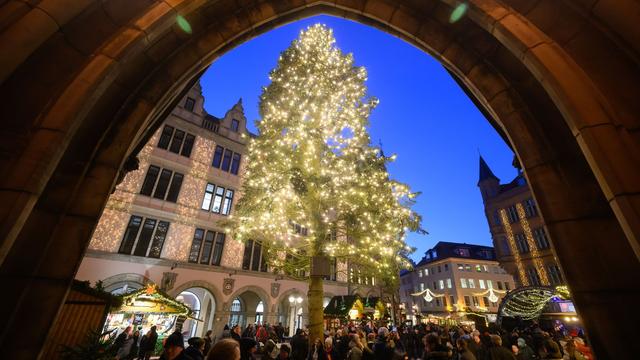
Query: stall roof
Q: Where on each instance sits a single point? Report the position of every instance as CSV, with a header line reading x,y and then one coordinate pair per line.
x,y
152,300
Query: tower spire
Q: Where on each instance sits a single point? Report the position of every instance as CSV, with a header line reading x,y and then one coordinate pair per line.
x,y
485,171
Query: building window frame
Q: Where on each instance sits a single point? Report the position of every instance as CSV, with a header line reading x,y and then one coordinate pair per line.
x,y
235,125
253,258
530,208
512,214
161,183
176,141
144,237
207,247
189,103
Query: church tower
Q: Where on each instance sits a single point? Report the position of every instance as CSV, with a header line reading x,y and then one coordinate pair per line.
x,y
488,183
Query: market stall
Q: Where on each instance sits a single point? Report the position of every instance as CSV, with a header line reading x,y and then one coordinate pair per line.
x,y
147,307
345,308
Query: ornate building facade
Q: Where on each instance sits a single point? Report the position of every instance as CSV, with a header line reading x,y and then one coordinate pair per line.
x,y
454,279
517,230
161,226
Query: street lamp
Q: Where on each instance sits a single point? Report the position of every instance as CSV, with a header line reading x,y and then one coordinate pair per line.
x,y
294,301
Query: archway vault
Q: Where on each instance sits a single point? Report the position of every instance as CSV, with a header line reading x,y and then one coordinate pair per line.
x,y
215,293
560,80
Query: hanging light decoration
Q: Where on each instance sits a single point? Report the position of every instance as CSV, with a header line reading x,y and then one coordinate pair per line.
x,y
427,295
492,294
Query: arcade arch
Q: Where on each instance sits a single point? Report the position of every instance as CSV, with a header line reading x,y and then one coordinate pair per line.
x,y
203,305
247,305
292,310
68,138
124,283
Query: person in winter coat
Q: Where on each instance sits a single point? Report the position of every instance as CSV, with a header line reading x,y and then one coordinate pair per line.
x,y
525,352
133,353
174,348
356,348
208,341
330,352
316,352
248,348
499,352
148,344
249,331
270,350
226,332
123,343
285,352
571,352
299,345
463,350
262,335
434,349
196,348
552,349
381,349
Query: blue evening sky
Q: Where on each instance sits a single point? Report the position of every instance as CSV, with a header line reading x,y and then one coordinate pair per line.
x,y
423,117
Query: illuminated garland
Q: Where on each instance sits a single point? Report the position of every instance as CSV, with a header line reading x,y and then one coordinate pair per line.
x,y
514,249
544,279
428,295
492,296
527,303
563,292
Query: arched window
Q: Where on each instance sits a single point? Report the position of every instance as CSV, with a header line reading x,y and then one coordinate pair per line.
x,y
236,313
260,313
123,288
235,305
190,326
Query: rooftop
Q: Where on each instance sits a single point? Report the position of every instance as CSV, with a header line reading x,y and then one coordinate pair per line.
x,y
444,250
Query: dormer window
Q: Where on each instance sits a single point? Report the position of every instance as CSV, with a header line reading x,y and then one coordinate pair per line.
x,y
189,104
235,125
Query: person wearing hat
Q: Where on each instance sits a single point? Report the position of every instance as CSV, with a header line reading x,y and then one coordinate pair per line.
x,y
174,348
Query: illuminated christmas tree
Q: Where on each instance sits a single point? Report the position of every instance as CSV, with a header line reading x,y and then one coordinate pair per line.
x,y
314,186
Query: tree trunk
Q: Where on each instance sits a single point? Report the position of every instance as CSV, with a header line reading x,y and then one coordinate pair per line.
x,y
316,312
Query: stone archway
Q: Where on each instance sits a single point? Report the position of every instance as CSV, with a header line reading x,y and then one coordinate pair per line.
x,y
565,97
113,282
292,315
217,295
250,296
213,313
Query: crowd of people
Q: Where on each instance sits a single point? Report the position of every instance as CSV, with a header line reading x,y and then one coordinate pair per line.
x,y
364,341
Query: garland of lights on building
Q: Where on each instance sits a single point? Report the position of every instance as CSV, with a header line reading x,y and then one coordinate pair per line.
x,y
514,249
427,295
492,296
544,279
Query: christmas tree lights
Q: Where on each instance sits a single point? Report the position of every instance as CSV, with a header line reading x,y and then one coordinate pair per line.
x,y
313,164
